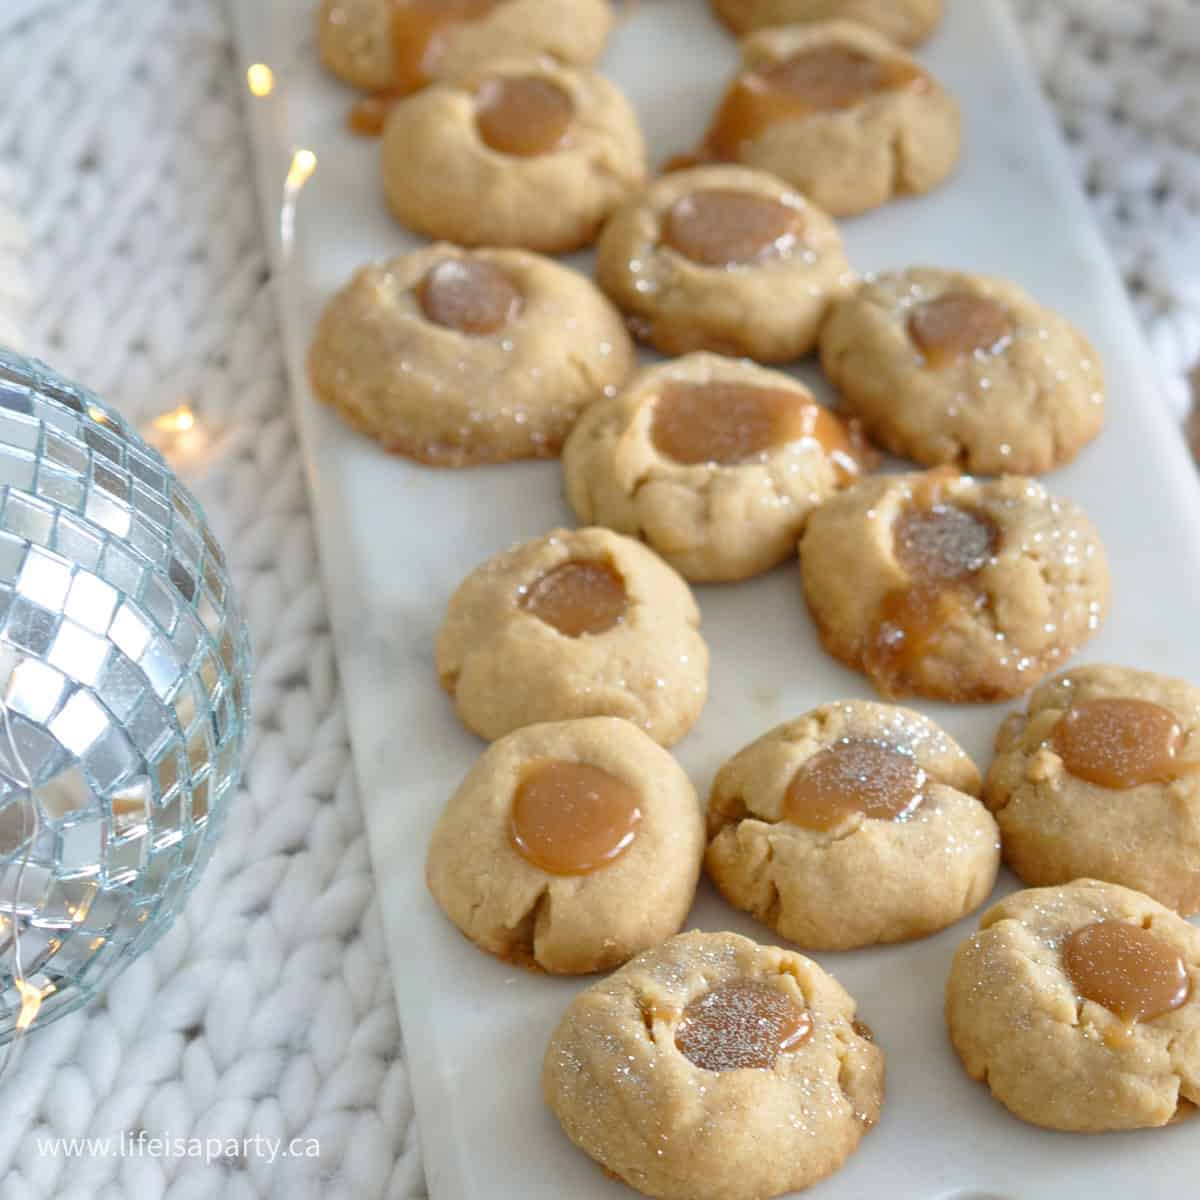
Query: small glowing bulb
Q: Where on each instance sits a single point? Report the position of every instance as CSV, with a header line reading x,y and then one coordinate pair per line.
x,y
260,79
304,163
178,420
97,414
31,1002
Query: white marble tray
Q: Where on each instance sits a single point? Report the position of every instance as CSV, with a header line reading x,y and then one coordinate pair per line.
x,y
396,538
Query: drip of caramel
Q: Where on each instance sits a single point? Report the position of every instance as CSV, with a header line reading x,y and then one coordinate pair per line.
x,y
854,776
743,1024
578,598
727,423
523,116
958,324
1120,743
570,818
722,227
469,295
419,29
824,79
1131,971
942,547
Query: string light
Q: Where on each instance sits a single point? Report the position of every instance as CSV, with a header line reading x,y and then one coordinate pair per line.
x,y
260,79
178,420
304,163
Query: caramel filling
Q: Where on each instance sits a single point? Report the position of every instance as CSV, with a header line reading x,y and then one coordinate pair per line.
x,y
571,819
419,29
1129,970
826,79
728,423
578,598
723,227
957,325
1120,743
469,295
524,116
854,776
740,1025
943,548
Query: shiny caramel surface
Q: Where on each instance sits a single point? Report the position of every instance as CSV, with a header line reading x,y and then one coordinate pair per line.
x,y
724,227
578,598
523,116
742,1024
1120,742
956,325
469,295
418,32
856,775
823,79
727,422
569,818
1131,971
942,547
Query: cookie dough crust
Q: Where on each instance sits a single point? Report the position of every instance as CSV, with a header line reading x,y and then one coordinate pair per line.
x,y
892,143
506,668
867,881
441,179
625,1095
711,522
354,37
1044,591
1026,408
1051,1057
449,399
907,22
770,311
1057,827
568,924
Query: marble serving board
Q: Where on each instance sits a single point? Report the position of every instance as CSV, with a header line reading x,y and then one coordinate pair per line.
x,y
396,538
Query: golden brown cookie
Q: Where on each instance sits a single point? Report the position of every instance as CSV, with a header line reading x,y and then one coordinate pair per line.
x,y
399,46
455,358
946,367
1079,1007
570,847
577,623
840,113
723,258
1101,777
908,22
516,153
853,825
950,587
714,462
712,1068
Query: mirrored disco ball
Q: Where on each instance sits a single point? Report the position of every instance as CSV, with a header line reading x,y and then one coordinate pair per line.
x,y
124,676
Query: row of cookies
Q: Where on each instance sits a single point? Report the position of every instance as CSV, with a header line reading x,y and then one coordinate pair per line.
x,y
713,1068
489,108
539,855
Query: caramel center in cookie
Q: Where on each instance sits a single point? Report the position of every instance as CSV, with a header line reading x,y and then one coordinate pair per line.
x,y
727,423
856,775
943,541
419,29
578,598
824,79
570,818
1120,742
958,324
1130,970
942,547
523,116
722,227
469,295
743,1024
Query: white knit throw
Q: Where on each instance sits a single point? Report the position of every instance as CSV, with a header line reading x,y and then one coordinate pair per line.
x,y
138,267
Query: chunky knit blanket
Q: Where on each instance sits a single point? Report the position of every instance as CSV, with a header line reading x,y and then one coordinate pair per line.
x,y
258,1041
